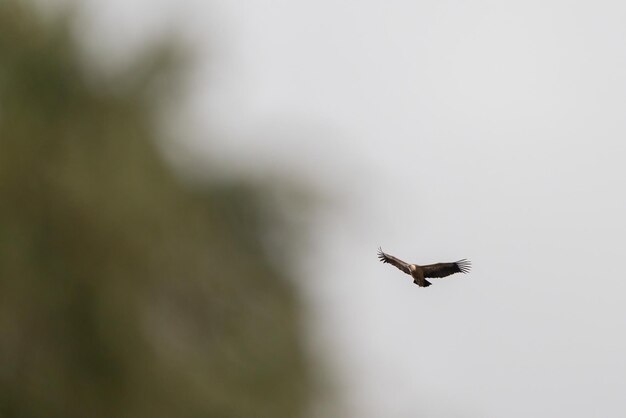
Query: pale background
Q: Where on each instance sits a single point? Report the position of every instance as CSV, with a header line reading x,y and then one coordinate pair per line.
x,y
439,130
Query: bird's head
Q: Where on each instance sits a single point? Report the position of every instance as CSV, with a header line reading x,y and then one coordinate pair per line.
x,y
412,267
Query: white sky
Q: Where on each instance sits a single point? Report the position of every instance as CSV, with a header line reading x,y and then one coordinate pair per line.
x,y
489,130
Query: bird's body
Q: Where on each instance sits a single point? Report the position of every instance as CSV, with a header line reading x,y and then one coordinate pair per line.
x,y
420,273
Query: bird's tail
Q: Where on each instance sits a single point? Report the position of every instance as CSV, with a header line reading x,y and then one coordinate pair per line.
x,y
424,283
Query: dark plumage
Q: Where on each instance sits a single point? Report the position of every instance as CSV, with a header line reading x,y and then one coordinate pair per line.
x,y
420,273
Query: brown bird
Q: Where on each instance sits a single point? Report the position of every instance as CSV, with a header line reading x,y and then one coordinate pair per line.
x,y
420,273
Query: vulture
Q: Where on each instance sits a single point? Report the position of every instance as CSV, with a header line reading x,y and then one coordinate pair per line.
x,y
420,273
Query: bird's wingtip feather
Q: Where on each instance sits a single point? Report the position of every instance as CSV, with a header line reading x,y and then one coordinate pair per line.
x,y
464,265
381,255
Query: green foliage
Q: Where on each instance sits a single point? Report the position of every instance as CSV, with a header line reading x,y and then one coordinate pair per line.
x,y
123,292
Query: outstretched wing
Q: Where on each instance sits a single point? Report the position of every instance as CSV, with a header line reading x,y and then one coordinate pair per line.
x,y
446,269
386,258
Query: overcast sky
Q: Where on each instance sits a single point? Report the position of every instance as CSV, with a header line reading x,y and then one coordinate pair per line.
x,y
488,130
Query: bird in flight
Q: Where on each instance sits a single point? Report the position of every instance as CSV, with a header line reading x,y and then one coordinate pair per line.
x,y
420,273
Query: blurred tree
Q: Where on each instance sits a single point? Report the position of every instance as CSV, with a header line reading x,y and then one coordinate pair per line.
x,y
123,292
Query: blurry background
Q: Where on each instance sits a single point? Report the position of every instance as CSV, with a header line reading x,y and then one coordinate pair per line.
x,y
192,193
